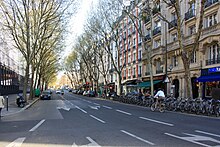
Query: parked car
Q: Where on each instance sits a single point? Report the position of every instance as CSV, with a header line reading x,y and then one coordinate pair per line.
x,y
85,93
58,91
74,91
45,95
80,92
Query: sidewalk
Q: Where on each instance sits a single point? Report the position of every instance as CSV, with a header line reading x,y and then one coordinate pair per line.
x,y
12,106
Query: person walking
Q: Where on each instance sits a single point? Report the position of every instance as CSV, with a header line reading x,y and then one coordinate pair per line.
x,y
2,101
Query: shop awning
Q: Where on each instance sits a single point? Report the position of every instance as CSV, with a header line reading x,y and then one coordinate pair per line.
x,y
209,78
147,84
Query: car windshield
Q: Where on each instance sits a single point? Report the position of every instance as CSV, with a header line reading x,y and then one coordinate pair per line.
x,y
46,92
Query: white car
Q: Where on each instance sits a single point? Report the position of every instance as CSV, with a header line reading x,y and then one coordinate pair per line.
x,y
58,91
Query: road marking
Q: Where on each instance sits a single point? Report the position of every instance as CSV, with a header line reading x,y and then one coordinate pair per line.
x,y
141,139
207,133
96,104
93,143
94,107
97,119
107,107
156,121
123,112
81,109
196,139
17,143
35,127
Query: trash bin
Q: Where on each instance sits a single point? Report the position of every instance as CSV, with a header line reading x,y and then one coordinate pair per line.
x,y
37,92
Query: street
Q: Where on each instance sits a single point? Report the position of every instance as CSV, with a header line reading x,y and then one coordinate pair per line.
x,y
74,120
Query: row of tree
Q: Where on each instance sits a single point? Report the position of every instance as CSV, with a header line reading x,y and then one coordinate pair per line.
x,y
102,32
37,28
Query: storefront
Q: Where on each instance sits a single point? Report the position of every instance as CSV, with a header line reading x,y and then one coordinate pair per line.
x,y
130,86
210,78
157,81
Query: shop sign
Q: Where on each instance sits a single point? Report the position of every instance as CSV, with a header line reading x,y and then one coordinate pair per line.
x,y
214,69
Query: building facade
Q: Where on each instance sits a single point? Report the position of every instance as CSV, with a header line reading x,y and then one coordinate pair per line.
x,y
161,37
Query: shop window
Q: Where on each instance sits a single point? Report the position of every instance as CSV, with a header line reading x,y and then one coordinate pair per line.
x,y
210,86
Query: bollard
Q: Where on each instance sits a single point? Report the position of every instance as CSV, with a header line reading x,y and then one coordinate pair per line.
x,y
7,102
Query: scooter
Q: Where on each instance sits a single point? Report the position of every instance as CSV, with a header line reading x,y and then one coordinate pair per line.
x,y
20,101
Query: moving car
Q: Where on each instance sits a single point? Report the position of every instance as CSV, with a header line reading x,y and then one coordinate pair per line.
x,y
45,95
58,91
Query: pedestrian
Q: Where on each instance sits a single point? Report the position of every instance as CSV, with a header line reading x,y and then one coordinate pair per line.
x,y
2,101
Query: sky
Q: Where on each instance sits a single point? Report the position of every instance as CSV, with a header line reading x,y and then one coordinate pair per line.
x,y
77,21
76,25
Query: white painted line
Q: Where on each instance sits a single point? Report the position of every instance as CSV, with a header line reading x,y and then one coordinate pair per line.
x,y
123,112
203,132
194,139
81,109
156,121
97,119
89,101
93,143
107,107
35,127
17,143
141,139
96,104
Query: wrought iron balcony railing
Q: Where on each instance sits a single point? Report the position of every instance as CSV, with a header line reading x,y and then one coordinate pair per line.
x,y
172,24
190,14
213,61
157,31
210,2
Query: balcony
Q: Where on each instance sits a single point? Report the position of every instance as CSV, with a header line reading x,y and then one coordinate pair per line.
x,y
124,77
213,61
190,14
172,24
147,19
129,77
156,10
139,60
134,76
147,37
159,71
210,3
147,73
139,75
157,30
134,61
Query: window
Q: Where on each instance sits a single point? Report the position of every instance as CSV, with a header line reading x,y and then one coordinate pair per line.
x,y
140,70
134,42
175,61
192,29
134,57
174,37
214,52
134,70
148,31
129,58
129,72
125,73
157,43
193,59
139,55
173,16
211,20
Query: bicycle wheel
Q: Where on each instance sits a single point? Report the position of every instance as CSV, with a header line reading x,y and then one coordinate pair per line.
x,y
162,108
153,107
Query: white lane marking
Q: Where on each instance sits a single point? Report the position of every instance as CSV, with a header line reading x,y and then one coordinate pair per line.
x,y
89,101
93,143
97,119
141,139
94,107
17,143
156,121
96,104
195,139
123,112
203,132
35,127
81,109
107,107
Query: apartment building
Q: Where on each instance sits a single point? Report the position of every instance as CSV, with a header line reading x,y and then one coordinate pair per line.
x,y
204,67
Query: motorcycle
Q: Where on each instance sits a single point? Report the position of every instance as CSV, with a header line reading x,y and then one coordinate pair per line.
x,y
20,101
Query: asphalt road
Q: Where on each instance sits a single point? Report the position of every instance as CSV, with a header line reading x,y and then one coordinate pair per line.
x,y
73,120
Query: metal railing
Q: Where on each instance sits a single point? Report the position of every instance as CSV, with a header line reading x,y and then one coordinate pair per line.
x,y
213,61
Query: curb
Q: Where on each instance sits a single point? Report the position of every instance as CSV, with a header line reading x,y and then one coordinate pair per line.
x,y
26,107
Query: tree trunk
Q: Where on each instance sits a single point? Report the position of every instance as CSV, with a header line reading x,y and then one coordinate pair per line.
x,y
32,85
187,78
119,85
26,78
